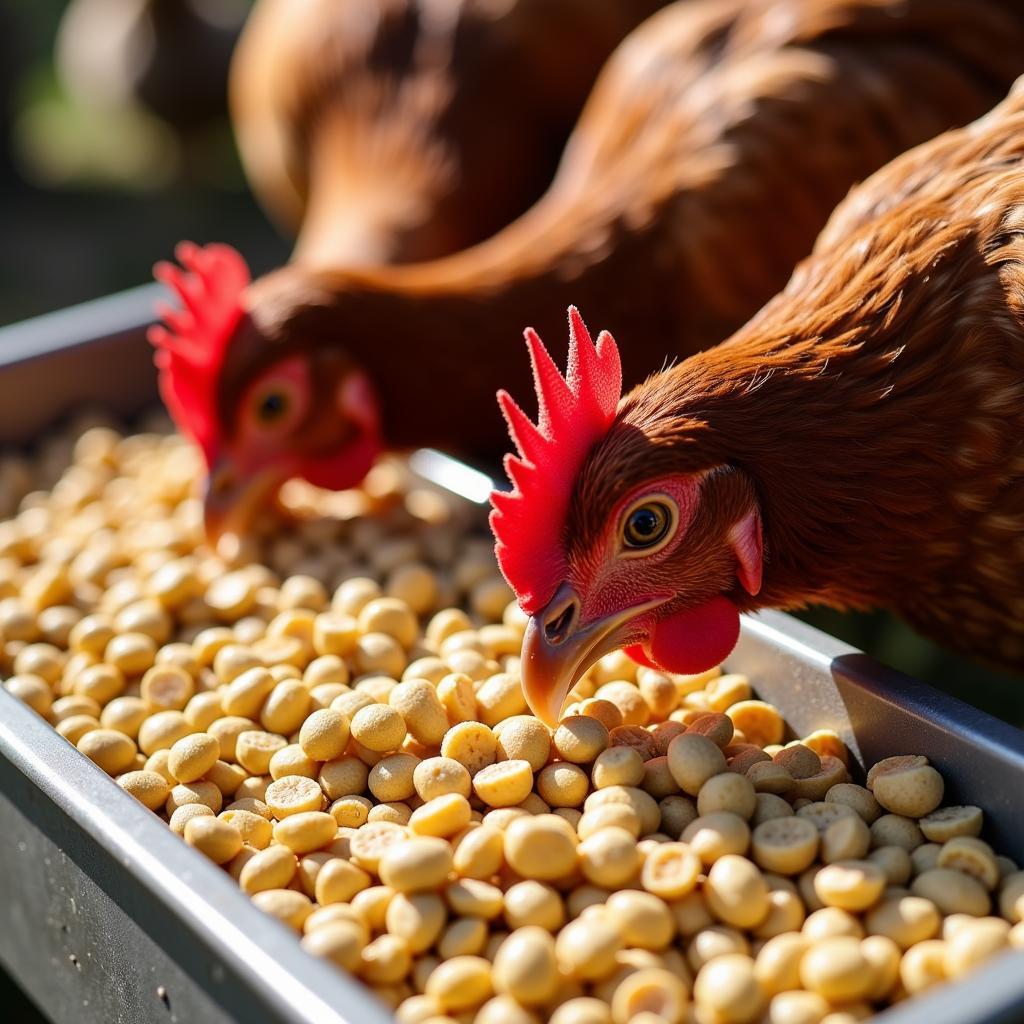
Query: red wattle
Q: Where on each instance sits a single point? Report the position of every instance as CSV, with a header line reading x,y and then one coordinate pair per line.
x,y
639,655
693,640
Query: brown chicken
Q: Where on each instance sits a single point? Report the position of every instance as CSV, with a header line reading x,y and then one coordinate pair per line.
x,y
717,141
397,130
859,443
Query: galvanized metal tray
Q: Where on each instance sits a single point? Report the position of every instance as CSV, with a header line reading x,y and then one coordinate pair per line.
x,y
106,916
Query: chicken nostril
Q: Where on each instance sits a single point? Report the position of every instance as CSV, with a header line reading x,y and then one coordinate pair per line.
x,y
559,625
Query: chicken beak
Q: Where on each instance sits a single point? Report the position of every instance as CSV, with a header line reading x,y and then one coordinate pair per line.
x,y
558,650
232,500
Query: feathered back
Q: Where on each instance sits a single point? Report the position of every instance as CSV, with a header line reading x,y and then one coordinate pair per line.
x,y
192,341
574,412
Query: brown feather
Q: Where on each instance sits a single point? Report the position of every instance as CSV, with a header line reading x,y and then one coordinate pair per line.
x,y
876,405
716,142
394,130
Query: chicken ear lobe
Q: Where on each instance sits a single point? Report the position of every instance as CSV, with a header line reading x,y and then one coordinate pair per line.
x,y
748,547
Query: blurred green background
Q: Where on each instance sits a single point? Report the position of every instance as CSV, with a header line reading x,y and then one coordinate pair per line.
x,y
94,187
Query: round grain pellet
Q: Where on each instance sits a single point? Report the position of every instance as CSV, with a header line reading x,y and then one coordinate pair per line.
x,y
643,919
472,744
391,778
947,823
907,786
727,986
671,871
973,857
108,749
149,788
541,847
504,783
533,903
769,777
418,918
34,691
727,792
562,784
974,943
441,776
443,816
341,942
609,858
837,969
305,832
254,749
526,967
714,835
582,1010
419,864
193,756
653,994
846,839
586,948
345,776
952,892
692,760
462,983
895,862
293,794
896,830
271,868
761,723
580,739
324,735
923,966
378,727
479,852
425,718
856,797
736,892
785,845
851,885
217,839
385,960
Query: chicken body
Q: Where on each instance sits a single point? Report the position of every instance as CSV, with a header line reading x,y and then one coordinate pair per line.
x,y
394,130
716,143
868,423
718,139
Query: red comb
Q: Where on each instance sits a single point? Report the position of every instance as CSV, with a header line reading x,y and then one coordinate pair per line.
x,y
574,413
192,340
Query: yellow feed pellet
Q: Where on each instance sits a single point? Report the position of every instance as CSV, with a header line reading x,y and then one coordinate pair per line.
x,y
542,847
479,852
217,839
667,852
443,816
504,783
193,756
293,794
472,744
149,788
306,831
110,750
419,864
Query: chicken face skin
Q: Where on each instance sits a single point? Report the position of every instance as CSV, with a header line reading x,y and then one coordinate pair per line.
x,y
660,573
312,414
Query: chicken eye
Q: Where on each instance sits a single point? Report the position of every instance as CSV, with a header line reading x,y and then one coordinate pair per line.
x,y
272,407
646,526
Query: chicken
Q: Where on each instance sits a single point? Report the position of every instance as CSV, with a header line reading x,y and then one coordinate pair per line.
x,y
860,442
397,130
716,143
